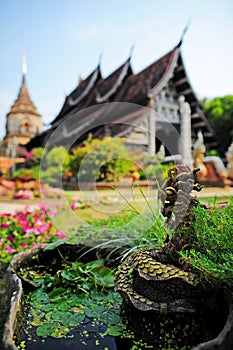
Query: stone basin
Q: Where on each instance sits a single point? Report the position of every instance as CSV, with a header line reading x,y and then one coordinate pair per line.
x,y
16,288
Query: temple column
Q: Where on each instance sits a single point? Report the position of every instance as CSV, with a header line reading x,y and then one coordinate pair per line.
x,y
151,132
185,132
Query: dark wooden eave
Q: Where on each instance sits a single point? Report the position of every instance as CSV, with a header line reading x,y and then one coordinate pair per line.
x,y
108,87
137,86
78,97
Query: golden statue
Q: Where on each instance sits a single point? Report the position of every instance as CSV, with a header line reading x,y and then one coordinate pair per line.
x,y
198,155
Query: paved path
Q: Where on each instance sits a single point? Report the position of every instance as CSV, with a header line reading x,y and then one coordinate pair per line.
x,y
11,206
215,192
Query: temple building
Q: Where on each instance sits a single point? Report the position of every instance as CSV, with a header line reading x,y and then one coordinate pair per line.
x,y
154,107
23,121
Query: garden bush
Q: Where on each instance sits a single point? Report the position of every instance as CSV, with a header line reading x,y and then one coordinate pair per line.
x,y
101,160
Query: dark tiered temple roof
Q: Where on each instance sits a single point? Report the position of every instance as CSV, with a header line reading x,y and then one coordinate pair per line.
x,y
125,86
138,86
78,97
106,89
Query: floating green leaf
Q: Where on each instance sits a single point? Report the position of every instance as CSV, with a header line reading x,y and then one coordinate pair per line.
x,y
40,296
94,311
104,276
45,329
115,330
60,331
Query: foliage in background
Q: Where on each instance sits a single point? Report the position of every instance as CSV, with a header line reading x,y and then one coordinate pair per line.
x,y
101,160
97,160
57,156
33,157
151,167
212,253
219,112
55,162
29,169
25,174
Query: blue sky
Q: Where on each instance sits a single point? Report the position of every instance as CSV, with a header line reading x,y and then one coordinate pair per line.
x,y
64,39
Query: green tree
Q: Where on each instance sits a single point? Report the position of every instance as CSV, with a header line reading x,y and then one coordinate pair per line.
x,y
219,112
101,160
57,156
55,162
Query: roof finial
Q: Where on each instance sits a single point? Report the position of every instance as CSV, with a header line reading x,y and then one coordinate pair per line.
x,y
24,64
100,58
131,50
184,32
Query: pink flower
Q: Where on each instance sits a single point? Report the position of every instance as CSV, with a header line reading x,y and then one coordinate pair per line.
x,y
43,208
10,238
40,228
43,205
52,213
4,192
96,200
29,232
33,244
37,231
23,245
73,205
36,216
7,224
10,249
60,234
27,194
77,199
38,222
28,155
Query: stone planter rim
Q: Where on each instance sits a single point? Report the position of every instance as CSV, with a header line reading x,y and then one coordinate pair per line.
x,y
15,290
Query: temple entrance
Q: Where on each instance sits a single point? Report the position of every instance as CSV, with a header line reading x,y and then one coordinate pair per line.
x,y
168,135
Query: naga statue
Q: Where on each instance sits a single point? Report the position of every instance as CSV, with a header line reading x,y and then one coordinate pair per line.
x,y
162,267
156,279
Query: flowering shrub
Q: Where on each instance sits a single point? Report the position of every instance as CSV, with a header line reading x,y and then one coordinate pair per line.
x,y
101,160
27,174
80,203
4,192
27,190
23,194
26,229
